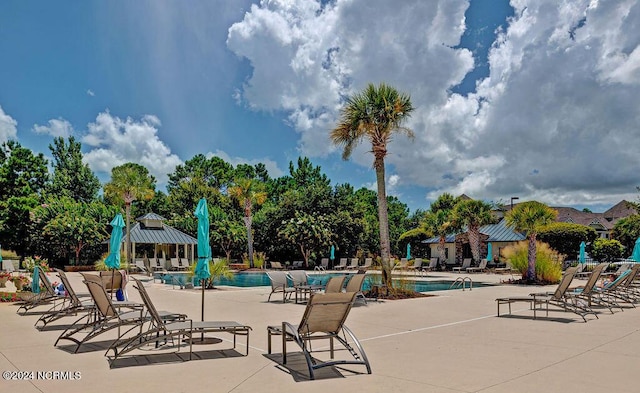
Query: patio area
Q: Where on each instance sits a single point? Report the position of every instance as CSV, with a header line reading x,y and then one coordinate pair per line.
x,y
451,342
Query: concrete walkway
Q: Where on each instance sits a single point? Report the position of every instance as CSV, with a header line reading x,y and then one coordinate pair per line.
x,y
452,342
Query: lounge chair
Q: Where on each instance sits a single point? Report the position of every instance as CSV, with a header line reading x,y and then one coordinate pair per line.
x,y
341,265
160,330
334,284
276,265
158,265
433,264
175,264
184,263
466,263
69,308
588,290
355,284
368,262
46,296
297,265
324,265
300,281
353,264
508,269
560,298
482,267
618,290
323,318
105,318
402,265
74,305
416,267
280,283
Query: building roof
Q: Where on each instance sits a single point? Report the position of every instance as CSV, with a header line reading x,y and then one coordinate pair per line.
x,y
619,210
499,232
163,235
151,216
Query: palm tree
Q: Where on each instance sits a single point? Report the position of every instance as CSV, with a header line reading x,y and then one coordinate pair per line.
x,y
440,221
374,114
130,182
528,217
473,214
248,192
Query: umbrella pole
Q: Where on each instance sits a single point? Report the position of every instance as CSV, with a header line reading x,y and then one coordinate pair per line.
x,y
202,311
113,276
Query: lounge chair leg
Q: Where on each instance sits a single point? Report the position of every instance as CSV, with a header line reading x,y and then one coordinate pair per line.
x,y
284,343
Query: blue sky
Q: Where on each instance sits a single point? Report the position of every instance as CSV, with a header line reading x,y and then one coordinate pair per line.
x,y
536,99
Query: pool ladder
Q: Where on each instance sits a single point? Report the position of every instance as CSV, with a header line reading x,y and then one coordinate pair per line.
x,y
460,282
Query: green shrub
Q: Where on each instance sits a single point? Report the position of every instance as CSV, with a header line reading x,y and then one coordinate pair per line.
x,y
101,266
606,250
548,262
219,268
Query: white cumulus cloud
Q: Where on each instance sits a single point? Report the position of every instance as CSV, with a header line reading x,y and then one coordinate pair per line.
x,y
8,127
113,141
556,119
56,128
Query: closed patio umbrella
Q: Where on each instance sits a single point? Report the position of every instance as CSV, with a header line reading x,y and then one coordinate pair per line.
x,y
489,252
636,251
113,259
35,281
408,251
202,272
581,256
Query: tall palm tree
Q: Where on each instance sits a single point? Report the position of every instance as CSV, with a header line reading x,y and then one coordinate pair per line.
x,y
528,217
130,182
374,114
473,214
248,192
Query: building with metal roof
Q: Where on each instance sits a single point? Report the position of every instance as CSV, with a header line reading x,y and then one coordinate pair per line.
x,y
457,245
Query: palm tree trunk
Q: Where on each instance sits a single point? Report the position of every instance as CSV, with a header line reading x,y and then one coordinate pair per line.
x,y
247,222
128,242
531,269
474,242
383,219
441,248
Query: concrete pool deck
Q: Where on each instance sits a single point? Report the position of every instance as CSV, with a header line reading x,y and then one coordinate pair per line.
x,y
452,342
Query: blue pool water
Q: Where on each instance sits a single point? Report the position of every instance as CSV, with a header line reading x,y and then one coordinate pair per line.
x,y
261,279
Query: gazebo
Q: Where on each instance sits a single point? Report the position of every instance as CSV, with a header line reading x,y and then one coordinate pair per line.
x,y
167,241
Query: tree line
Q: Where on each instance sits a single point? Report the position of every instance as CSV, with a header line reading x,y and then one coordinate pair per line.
x,y
63,215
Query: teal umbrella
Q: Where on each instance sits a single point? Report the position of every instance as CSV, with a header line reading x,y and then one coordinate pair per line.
x,y
202,272
332,255
113,259
636,251
35,281
489,252
581,257
408,251
0,254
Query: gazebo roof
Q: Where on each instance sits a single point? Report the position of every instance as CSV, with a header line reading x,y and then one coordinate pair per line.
x,y
151,216
159,235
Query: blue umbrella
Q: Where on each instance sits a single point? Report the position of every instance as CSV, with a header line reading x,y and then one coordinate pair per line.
x,y
202,272
581,257
408,251
332,255
113,259
636,251
35,281
489,252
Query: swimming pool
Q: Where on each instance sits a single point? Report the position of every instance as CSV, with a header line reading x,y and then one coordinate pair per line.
x,y
247,280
